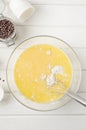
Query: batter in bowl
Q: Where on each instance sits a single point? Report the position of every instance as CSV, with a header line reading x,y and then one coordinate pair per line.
x,y
40,67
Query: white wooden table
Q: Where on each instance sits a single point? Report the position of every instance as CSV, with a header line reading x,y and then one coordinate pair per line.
x,y
65,19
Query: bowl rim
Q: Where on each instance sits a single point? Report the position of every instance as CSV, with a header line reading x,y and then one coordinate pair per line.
x,y
49,36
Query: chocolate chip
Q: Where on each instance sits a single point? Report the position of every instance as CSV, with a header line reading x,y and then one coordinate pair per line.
x,y
3,80
6,28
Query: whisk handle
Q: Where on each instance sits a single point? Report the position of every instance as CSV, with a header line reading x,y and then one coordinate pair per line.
x,y
77,98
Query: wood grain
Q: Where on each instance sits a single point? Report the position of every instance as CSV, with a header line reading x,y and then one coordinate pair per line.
x,y
64,2
5,85
6,52
74,36
48,15
9,106
65,19
43,122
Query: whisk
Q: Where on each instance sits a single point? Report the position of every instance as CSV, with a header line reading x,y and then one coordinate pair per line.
x,y
61,89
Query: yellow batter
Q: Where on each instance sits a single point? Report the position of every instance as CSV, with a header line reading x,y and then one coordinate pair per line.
x,y
34,66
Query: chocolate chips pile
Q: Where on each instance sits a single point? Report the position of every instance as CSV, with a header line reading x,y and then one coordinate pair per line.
x,y
6,28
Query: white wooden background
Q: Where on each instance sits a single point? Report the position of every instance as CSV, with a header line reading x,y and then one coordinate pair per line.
x,y
65,19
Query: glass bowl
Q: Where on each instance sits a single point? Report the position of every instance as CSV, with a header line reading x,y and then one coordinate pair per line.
x,y
43,40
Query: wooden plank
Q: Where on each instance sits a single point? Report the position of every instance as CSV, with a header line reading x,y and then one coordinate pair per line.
x,y
6,52
5,85
74,36
65,2
55,15
81,53
43,123
9,106
83,82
